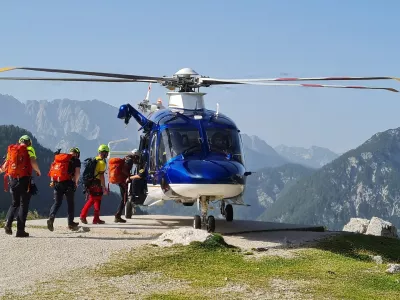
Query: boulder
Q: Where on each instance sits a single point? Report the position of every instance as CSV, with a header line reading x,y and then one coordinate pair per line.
x,y
377,258
183,235
357,225
393,269
380,227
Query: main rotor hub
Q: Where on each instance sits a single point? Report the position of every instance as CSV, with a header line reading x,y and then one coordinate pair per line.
x,y
186,72
186,79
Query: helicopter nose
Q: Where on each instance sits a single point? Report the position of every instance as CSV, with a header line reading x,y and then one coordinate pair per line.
x,y
206,171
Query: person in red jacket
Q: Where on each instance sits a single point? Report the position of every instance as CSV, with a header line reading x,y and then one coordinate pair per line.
x,y
98,188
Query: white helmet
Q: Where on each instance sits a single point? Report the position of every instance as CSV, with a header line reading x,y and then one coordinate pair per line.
x,y
135,152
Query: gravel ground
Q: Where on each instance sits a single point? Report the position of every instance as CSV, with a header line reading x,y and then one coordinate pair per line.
x,y
50,257
45,255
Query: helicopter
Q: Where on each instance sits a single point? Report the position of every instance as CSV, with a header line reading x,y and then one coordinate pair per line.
x,y
191,154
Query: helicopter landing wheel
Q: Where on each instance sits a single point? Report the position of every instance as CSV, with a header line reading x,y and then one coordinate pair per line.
x,y
206,222
197,222
129,210
222,208
210,224
229,213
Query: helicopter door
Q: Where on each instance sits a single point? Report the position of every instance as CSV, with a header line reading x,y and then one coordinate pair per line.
x,y
142,143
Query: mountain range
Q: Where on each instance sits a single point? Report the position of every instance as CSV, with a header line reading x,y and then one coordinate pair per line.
x,y
64,123
363,182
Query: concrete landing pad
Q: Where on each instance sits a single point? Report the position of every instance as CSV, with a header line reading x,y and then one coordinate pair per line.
x,y
162,223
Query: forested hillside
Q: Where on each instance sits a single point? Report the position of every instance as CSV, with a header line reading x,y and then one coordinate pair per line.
x,y
44,199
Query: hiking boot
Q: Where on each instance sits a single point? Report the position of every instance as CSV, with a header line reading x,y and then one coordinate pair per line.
x,y
118,219
83,220
98,222
7,230
50,223
22,234
73,226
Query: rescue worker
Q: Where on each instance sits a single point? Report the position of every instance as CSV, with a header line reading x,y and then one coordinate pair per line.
x,y
159,104
98,188
20,188
137,181
67,188
130,160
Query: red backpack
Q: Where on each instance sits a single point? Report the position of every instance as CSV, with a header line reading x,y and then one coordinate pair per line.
x,y
18,161
116,169
60,167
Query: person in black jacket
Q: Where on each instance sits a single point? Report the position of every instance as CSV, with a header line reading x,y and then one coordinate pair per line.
x,y
67,188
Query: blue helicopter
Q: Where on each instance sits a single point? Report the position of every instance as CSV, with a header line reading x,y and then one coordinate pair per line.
x,y
191,154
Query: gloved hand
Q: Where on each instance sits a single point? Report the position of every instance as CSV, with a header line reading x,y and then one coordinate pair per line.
x,y
105,191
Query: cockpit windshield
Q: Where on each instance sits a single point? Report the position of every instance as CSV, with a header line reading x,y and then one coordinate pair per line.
x,y
226,141
176,141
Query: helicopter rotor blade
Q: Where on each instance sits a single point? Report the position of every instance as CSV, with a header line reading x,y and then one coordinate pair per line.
x,y
73,79
120,76
216,81
313,85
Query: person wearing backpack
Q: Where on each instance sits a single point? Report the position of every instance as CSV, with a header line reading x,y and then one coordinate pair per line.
x,y
129,161
64,173
18,167
94,183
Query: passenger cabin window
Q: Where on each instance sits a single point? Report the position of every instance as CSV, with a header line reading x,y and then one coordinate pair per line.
x,y
180,140
144,139
162,157
153,152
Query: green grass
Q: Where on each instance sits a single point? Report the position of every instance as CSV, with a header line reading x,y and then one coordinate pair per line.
x,y
338,267
32,215
360,246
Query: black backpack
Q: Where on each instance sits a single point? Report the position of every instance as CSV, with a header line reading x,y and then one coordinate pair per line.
x,y
88,175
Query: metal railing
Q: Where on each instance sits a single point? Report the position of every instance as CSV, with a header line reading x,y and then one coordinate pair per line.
x,y
117,153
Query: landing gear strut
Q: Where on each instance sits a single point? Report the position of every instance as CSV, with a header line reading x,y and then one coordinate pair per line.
x,y
207,222
227,211
130,209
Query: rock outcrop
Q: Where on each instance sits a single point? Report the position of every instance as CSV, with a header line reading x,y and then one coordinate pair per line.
x,y
375,226
357,225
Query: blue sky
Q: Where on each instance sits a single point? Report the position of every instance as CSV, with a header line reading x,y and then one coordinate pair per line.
x,y
220,39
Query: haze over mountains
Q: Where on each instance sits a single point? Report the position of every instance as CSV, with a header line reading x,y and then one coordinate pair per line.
x,y
291,184
315,157
63,123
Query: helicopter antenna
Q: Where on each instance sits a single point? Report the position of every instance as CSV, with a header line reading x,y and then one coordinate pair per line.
x,y
144,105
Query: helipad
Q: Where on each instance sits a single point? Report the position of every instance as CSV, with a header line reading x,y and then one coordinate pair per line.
x,y
162,223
